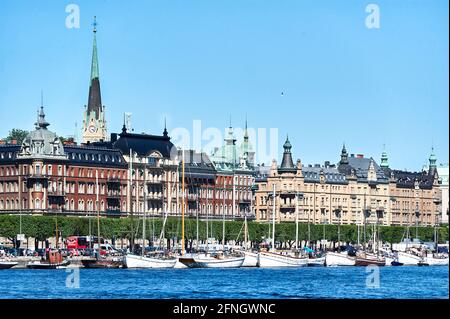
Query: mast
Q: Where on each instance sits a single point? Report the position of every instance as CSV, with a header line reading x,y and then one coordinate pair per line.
x,y
296,222
273,217
198,198
98,210
144,217
131,199
223,224
182,204
207,217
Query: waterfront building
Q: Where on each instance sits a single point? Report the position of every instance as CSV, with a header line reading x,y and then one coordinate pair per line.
x,y
44,176
234,178
356,190
94,122
443,173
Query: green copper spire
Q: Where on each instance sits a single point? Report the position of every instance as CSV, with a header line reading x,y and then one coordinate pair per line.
x,y
384,158
432,159
94,65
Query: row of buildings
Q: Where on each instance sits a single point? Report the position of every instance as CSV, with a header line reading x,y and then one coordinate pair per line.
x,y
133,174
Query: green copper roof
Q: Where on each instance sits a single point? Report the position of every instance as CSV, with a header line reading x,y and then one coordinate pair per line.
x,y
94,65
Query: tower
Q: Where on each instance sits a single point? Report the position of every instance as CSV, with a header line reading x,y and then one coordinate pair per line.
x,y
384,159
344,156
94,124
432,160
287,164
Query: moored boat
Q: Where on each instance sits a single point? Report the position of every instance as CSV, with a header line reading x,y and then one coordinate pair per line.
x,y
408,259
316,262
53,260
251,259
6,264
333,259
436,260
136,261
366,259
103,262
212,261
271,259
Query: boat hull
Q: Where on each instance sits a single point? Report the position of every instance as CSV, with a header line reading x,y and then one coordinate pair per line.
x,y
369,262
408,259
94,263
134,261
337,259
44,265
251,259
211,262
8,264
436,261
269,260
316,262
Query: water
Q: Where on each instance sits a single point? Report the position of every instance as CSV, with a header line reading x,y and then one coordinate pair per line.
x,y
243,283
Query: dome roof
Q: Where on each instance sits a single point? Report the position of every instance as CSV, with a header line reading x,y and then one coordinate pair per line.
x,y
42,142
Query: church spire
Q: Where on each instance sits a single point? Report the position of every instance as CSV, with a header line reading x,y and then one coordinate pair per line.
x,y
95,100
432,160
344,155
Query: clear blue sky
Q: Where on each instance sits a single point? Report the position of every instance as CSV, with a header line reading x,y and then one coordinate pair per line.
x,y
188,60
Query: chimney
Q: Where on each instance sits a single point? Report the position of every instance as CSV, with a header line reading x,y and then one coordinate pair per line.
x,y
327,163
191,156
360,156
113,137
14,142
352,155
2,142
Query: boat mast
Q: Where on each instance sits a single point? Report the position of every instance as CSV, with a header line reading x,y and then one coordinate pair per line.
x,y
273,218
223,225
143,220
207,217
182,203
296,222
131,199
98,211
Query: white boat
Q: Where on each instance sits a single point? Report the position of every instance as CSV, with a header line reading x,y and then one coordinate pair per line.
x,y
251,259
209,261
316,262
6,264
333,259
436,261
135,261
408,259
271,259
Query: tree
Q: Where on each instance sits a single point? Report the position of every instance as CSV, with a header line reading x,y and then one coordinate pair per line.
x,y
17,134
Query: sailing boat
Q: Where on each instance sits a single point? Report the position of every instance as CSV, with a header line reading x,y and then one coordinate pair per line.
x,y
98,261
220,259
364,258
274,259
436,259
251,258
146,261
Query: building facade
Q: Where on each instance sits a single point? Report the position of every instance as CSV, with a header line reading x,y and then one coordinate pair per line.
x,y
356,190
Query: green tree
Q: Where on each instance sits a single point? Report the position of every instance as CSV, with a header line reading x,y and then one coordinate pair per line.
x,y
16,134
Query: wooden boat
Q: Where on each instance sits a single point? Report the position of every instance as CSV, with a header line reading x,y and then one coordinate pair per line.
x,y
251,259
333,259
108,262
5,264
436,260
269,259
365,259
408,259
136,261
53,260
212,261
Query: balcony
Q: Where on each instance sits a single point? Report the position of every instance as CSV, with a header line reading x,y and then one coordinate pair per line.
x,y
56,193
37,176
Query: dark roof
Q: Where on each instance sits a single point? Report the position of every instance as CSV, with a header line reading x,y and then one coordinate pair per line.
x,y
144,144
87,155
197,165
8,153
360,165
405,179
332,175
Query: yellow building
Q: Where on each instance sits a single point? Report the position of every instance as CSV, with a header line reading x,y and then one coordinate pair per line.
x,y
355,191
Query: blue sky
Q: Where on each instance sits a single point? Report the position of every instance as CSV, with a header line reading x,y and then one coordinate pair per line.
x,y
188,60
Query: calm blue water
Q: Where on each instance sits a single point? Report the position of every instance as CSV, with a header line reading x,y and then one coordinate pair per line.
x,y
252,283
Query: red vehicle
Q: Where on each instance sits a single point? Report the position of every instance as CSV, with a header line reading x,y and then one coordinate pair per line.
x,y
81,242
